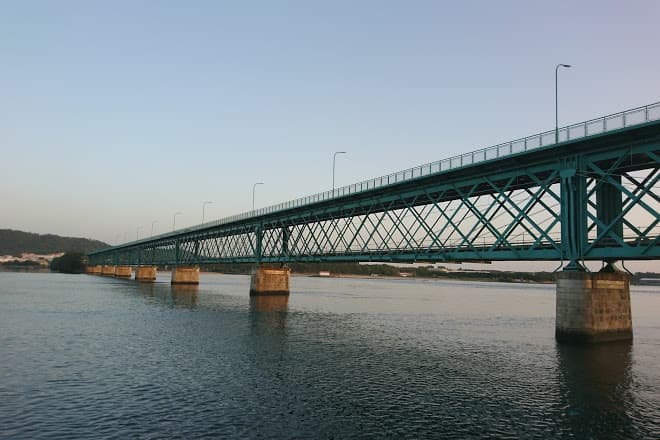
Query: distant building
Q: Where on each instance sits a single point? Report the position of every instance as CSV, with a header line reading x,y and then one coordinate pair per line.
x,y
42,259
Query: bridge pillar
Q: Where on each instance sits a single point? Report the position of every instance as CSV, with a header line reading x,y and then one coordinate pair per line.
x,y
108,270
123,271
145,273
270,281
609,205
185,275
94,270
593,307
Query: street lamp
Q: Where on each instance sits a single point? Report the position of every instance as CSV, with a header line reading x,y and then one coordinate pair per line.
x,y
174,219
253,188
137,232
152,227
334,157
204,206
556,102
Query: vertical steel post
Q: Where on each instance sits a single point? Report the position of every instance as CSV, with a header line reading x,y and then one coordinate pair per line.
x,y
609,204
258,232
286,234
573,212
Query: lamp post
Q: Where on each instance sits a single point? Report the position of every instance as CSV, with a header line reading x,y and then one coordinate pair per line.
x,y
174,219
253,188
137,232
556,102
334,157
204,206
152,227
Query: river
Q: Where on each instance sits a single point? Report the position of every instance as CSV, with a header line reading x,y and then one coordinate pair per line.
x,y
91,357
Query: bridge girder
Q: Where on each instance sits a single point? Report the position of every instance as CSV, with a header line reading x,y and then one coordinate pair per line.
x,y
590,199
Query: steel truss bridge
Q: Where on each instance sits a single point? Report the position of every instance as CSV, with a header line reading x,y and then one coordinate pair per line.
x,y
585,192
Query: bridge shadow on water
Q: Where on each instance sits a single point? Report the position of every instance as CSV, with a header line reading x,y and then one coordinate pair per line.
x,y
595,390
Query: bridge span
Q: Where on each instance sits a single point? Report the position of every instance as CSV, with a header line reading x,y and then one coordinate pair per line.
x,y
589,196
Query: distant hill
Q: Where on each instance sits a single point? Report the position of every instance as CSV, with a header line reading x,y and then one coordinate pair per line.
x,y
17,242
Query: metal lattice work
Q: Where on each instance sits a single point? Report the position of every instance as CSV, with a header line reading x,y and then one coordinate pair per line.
x,y
589,199
477,221
632,224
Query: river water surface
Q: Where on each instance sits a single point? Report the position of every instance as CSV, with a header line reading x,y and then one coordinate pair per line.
x,y
91,357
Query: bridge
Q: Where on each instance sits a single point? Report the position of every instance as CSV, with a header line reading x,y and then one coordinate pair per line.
x,y
581,193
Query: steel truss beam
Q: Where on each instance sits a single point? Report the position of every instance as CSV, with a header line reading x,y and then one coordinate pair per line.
x,y
593,199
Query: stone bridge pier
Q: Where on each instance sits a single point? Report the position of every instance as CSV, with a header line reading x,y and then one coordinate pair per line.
x,y
593,307
185,275
267,281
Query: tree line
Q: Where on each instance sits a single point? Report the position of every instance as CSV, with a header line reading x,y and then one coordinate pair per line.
x,y
18,242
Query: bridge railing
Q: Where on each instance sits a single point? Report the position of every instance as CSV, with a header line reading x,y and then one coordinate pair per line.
x,y
628,118
616,121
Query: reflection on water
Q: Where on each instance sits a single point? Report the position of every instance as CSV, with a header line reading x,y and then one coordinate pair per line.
x,y
146,289
90,357
185,294
269,312
595,383
269,303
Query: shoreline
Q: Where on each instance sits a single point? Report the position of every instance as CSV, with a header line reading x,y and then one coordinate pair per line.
x,y
392,277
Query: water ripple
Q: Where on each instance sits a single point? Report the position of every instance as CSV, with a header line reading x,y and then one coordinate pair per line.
x,y
89,357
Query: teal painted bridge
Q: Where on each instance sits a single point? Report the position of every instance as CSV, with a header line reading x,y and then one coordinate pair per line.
x,y
591,195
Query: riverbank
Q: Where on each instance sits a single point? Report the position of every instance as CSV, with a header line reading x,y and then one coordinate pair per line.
x,y
357,270
439,278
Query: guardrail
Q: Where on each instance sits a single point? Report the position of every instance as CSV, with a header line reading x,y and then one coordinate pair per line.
x,y
616,121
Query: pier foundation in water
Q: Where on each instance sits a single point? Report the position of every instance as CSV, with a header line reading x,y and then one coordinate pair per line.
x,y
123,271
145,273
266,281
593,307
108,270
185,275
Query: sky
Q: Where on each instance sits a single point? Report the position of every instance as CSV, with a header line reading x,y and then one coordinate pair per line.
x,y
115,115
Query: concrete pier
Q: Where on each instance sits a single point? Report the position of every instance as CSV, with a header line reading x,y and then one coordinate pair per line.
x,y
185,275
94,270
108,271
270,281
593,307
145,273
123,271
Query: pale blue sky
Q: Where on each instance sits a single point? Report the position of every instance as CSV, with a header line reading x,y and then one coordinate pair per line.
x,y
115,114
